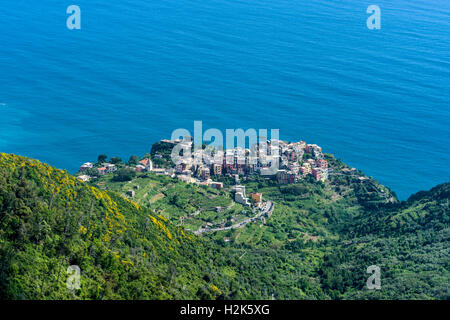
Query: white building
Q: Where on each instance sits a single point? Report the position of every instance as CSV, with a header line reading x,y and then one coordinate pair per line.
x,y
86,166
109,167
84,178
240,195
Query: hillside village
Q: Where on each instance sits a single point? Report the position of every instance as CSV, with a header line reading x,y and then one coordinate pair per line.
x,y
285,162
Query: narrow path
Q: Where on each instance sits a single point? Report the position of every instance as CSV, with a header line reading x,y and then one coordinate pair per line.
x,y
267,208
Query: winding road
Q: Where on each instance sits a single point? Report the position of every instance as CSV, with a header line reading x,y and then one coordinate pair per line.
x,y
267,207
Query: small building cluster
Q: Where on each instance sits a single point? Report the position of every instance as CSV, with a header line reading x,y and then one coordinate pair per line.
x,y
102,170
289,162
240,196
107,168
145,165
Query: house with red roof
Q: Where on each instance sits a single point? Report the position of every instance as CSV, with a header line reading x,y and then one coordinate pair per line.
x,y
147,163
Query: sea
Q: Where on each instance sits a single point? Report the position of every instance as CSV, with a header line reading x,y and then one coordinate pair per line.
x,y
379,99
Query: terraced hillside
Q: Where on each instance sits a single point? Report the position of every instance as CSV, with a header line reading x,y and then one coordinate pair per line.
x,y
317,243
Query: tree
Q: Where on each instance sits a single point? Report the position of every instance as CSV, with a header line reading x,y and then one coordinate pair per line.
x,y
125,174
102,158
115,160
134,160
91,172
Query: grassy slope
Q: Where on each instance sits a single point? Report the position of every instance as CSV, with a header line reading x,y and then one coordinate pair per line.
x,y
322,237
317,244
50,220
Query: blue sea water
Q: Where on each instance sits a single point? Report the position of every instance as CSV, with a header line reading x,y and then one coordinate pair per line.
x,y
138,69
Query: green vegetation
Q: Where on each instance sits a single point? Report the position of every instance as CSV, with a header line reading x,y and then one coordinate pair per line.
x,y
317,243
102,158
184,204
161,154
50,220
115,160
134,160
124,174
